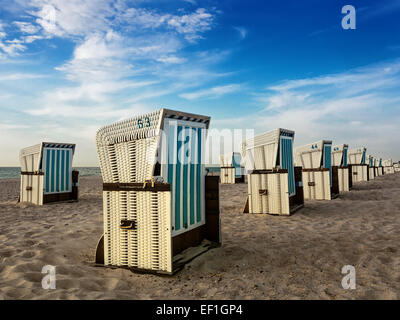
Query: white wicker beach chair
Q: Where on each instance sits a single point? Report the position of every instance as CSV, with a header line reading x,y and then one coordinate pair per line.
x,y
320,182
339,163
388,166
274,184
359,166
46,173
155,203
371,167
231,169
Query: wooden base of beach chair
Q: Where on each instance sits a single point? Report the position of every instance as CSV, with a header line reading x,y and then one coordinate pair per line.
x,y
185,246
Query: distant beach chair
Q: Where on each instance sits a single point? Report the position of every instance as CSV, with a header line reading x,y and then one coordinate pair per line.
x,y
396,167
274,184
371,167
231,169
160,209
339,163
46,173
388,166
376,169
379,165
320,179
358,163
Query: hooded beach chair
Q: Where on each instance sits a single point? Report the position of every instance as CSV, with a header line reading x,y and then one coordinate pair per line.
x,y
358,163
46,173
160,209
274,184
371,167
231,170
320,179
379,165
339,163
388,166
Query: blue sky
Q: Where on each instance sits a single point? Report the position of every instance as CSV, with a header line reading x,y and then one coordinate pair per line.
x,y
69,67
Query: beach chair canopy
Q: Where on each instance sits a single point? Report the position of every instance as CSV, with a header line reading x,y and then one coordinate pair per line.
x,y
269,150
31,158
339,155
129,150
370,160
387,163
314,155
358,156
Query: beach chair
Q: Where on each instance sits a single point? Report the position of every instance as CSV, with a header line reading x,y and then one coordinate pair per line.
x,y
231,170
160,209
371,167
379,165
320,179
388,166
376,168
46,173
339,163
274,184
358,163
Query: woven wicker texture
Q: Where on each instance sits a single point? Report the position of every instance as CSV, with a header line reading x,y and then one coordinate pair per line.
x,y
127,149
148,245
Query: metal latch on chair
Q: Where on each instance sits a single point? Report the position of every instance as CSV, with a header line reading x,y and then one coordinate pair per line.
x,y
28,188
128,224
152,182
311,184
263,192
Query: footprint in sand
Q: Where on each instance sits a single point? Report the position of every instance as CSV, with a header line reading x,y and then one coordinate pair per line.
x,y
29,243
6,253
28,254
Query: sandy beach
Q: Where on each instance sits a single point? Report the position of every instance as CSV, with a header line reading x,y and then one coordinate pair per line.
x,y
262,256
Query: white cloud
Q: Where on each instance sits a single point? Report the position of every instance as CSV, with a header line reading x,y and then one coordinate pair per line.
x,y
171,59
73,17
12,48
121,57
211,93
192,24
242,32
359,107
19,76
26,27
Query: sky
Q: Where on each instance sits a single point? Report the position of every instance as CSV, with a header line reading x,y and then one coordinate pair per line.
x,y
69,67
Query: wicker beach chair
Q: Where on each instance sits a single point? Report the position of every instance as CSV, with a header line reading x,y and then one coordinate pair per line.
x,y
339,163
358,162
274,184
320,179
46,173
160,209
